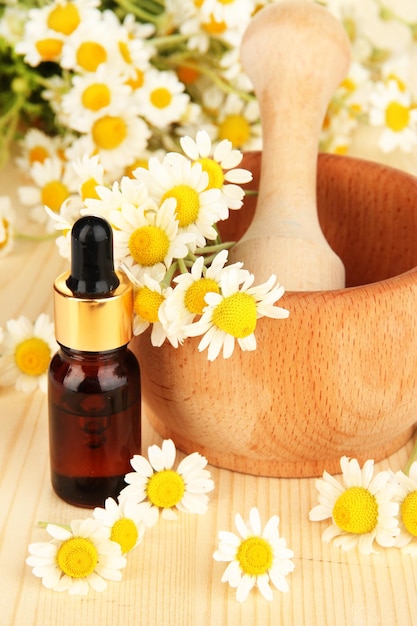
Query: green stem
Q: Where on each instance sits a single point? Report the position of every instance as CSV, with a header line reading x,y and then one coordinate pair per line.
x,y
215,248
182,266
169,275
25,237
143,14
411,458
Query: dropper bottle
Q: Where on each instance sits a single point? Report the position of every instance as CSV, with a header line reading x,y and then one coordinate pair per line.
x,y
94,383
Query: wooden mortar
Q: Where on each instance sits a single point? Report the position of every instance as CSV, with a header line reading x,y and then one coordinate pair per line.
x,y
339,375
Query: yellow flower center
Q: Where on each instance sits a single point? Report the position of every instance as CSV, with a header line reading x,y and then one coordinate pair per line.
x,y
53,194
138,163
88,189
195,294
77,557
90,55
125,533
397,116
147,303
165,488
409,512
148,245
64,18
137,82
49,49
96,96
38,154
236,315
32,356
212,27
214,171
161,97
356,511
235,128
255,556
109,132
188,203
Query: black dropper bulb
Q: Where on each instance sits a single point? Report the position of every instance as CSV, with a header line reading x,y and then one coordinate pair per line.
x,y
92,267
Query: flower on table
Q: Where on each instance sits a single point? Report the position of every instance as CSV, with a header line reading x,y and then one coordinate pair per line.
x,y
26,353
124,521
361,507
407,498
256,557
232,314
77,558
156,485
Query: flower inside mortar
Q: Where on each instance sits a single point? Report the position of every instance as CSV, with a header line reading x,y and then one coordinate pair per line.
x,y
155,484
362,507
256,557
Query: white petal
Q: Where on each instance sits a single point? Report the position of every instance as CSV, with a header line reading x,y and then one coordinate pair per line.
x,y
244,587
264,587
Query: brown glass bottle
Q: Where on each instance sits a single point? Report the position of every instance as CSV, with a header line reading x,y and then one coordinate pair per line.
x,y
94,423
93,382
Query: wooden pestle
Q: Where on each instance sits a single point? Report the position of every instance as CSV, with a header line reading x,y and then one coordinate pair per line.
x,y
296,54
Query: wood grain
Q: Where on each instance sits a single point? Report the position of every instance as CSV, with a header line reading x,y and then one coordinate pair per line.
x,y
338,376
171,579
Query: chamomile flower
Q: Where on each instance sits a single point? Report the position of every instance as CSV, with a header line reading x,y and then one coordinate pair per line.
x,y
37,146
256,556
123,519
361,507
78,558
392,108
7,219
162,99
239,121
118,138
232,314
149,297
27,350
91,46
220,162
41,47
156,485
187,299
126,192
197,208
407,498
93,95
148,238
54,182
91,174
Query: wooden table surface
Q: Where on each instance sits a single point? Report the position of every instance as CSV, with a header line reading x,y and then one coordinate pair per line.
x,y
171,579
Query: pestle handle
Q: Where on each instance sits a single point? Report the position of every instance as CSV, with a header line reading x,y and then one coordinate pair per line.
x,y
296,54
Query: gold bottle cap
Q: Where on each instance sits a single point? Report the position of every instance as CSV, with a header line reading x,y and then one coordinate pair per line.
x,y
93,324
